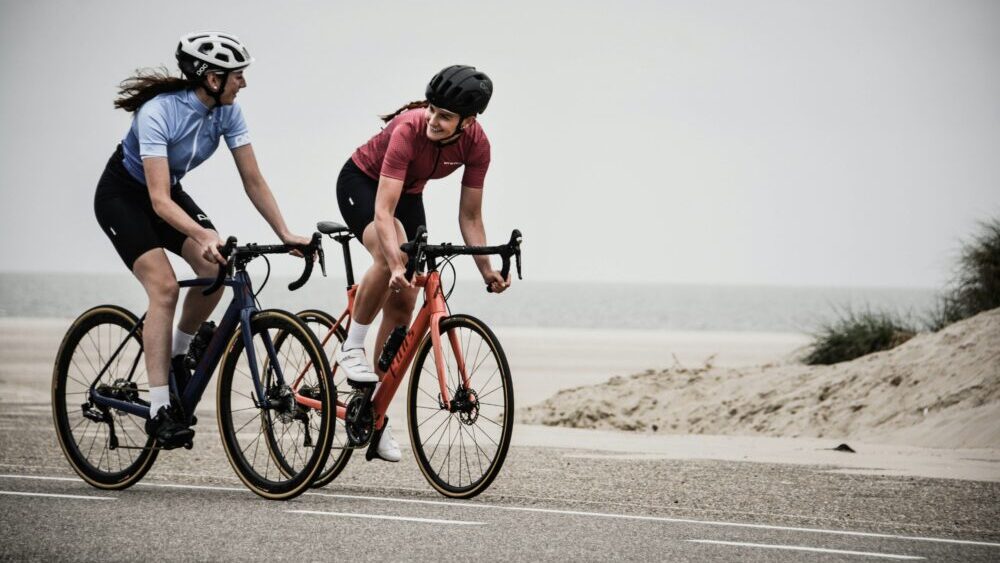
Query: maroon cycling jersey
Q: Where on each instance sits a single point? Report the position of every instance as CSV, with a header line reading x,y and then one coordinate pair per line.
x,y
402,151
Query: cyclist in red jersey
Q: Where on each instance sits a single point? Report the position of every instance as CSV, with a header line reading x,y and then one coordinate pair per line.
x,y
379,194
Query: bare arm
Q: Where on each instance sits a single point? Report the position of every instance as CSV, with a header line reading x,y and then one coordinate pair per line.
x,y
470,222
158,181
386,198
260,194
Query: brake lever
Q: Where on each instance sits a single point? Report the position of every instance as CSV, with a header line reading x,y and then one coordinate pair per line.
x,y
515,242
226,252
313,246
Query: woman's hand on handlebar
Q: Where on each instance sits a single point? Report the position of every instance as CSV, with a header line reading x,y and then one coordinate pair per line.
x,y
495,282
209,243
295,240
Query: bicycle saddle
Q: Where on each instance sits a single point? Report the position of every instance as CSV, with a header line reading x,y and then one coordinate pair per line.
x,y
330,227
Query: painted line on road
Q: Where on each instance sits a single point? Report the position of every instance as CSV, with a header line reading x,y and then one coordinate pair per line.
x,y
163,485
40,478
382,517
813,549
51,495
663,519
562,512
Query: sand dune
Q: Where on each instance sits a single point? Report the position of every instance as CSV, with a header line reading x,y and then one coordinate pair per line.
x,y
937,390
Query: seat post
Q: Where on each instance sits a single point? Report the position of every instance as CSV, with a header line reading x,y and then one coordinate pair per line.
x,y
348,267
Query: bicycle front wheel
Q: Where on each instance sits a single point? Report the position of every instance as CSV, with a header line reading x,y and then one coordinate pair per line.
x,y
107,448
276,445
461,446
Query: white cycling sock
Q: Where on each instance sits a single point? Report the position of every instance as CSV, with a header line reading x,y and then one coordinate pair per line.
x,y
158,397
182,341
356,336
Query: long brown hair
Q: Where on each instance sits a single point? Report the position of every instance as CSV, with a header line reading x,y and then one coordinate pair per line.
x,y
146,84
412,105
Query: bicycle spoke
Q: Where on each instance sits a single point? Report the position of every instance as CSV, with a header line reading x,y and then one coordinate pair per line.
x,y
436,412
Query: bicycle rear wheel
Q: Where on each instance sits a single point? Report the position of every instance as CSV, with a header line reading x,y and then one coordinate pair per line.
x,y
84,430
276,446
460,450
331,335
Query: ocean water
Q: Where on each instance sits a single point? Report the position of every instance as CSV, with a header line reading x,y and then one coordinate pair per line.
x,y
526,304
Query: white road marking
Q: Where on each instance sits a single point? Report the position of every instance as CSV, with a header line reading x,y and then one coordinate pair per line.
x,y
51,495
814,549
40,477
381,517
563,512
663,519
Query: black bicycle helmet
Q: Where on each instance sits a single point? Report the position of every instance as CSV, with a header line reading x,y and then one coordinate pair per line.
x,y
461,89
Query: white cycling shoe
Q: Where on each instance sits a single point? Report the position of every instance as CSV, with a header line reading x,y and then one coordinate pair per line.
x,y
355,365
388,448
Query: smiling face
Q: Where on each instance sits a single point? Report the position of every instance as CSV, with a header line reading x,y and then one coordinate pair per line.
x,y
443,124
234,84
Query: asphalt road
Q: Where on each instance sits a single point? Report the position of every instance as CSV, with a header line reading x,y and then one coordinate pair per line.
x,y
547,504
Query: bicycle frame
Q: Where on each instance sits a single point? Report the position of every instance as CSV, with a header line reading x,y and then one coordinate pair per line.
x,y
237,315
428,319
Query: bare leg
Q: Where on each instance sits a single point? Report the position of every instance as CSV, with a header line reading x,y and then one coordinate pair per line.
x,y
197,307
373,292
157,277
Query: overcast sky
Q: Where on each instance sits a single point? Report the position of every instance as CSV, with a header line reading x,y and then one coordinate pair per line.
x,y
793,143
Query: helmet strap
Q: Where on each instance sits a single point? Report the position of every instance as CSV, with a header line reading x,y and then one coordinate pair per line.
x,y
217,96
454,138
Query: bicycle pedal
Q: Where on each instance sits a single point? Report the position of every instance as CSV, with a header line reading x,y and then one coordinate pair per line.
x,y
360,385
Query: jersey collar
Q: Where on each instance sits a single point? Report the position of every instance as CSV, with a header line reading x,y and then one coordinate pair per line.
x,y
195,103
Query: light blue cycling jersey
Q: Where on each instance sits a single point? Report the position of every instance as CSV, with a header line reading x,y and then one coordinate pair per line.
x,y
179,126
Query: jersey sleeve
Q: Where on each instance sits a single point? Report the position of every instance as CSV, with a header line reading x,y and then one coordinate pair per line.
x,y
479,161
399,153
235,128
151,129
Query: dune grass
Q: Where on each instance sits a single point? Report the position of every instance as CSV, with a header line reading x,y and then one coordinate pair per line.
x,y
976,285
855,334
975,288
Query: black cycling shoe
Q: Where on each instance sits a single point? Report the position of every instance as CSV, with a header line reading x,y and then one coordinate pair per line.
x,y
169,433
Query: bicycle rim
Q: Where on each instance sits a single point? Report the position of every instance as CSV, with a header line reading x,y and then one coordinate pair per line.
x,y
276,451
87,347
460,453
330,336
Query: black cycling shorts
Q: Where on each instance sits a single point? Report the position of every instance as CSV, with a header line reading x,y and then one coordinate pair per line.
x,y
126,215
356,198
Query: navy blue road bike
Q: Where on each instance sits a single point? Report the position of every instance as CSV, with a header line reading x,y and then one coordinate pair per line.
x,y
100,388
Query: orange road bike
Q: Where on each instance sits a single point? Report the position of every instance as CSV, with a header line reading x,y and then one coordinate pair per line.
x,y
460,404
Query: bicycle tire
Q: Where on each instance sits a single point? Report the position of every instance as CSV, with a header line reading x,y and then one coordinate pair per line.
x,y
481,351
261,473
321,323
98,332
340,453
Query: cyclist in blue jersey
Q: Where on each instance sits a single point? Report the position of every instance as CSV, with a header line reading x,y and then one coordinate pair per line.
x,y
143,209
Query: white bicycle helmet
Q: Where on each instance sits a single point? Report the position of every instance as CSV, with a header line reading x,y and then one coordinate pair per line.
x,y
211,51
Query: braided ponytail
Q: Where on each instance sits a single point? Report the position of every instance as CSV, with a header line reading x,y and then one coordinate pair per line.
x,y
407,107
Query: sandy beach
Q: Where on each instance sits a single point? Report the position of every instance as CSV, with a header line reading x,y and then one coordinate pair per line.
x,y
938,390
576,371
